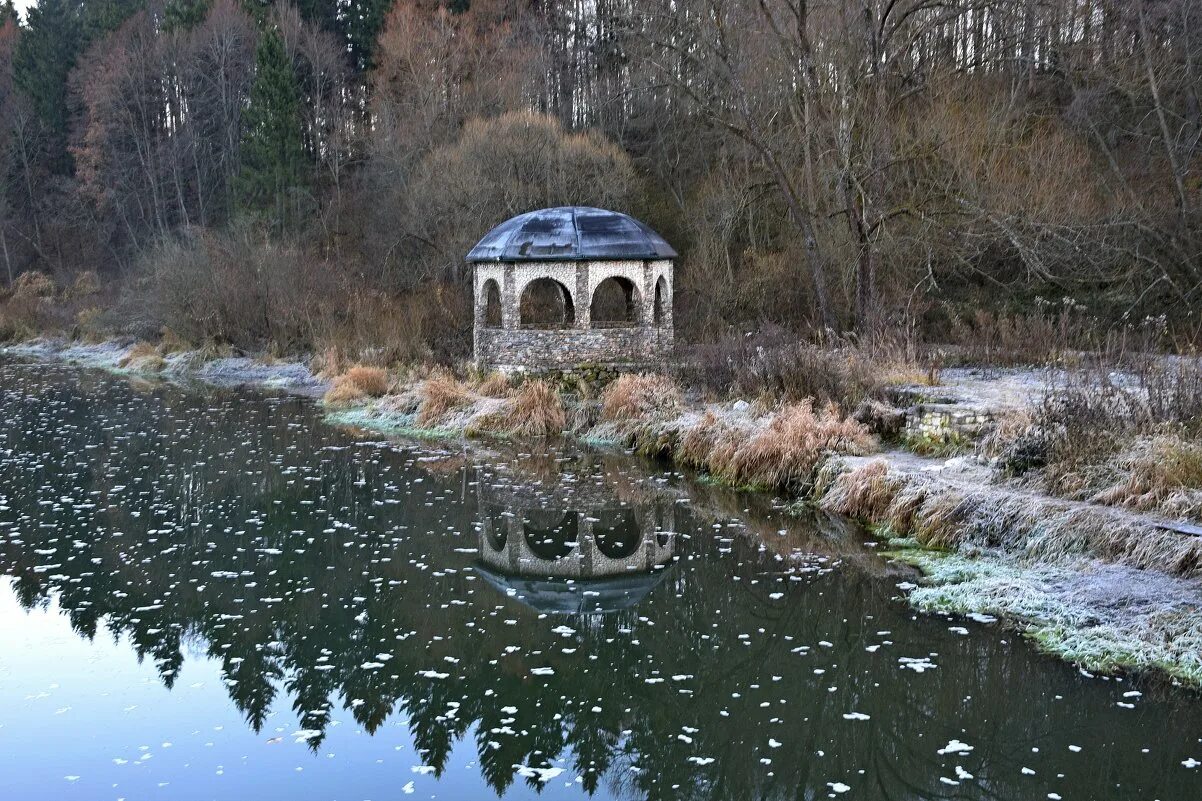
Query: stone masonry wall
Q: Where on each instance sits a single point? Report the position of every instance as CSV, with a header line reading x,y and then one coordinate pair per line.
x,y
533,349
940,422
514,348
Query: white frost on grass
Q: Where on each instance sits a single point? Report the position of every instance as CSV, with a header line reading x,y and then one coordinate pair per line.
x,y
1105,618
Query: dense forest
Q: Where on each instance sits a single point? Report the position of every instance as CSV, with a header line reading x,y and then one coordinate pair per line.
x,y
297,176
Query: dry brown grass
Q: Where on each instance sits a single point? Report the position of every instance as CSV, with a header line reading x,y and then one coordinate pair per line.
x,y
143,357
357,384
25,306
440,394
1003,432
372,380
640,397
785,452
537,411
494,385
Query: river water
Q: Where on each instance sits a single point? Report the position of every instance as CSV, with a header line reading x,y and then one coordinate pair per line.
x,y
213,594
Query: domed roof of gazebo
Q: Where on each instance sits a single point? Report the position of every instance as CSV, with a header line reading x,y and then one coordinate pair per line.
x,y
571,233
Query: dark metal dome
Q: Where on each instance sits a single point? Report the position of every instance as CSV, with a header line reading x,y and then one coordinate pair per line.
x,y
571,233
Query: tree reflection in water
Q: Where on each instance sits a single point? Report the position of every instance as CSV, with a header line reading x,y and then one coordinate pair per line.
x,y
657,642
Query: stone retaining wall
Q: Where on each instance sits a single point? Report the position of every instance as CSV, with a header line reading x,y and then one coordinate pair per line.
x,y
515,350
940,422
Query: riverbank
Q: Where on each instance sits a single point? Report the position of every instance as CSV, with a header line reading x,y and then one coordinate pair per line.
x,y
1105,587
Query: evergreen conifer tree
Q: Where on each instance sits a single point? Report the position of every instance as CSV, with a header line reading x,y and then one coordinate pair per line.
x,y
46,53
185,14
272,180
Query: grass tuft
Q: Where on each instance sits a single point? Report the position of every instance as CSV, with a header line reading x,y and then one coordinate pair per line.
x,y
640,398
142,357
537,411
495,385
440,393
784,453
357,384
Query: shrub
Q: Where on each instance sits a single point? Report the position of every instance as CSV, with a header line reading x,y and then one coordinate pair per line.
x,y
358,383
640,397
86,285
33,284
777,362
241,288
1096,413
497,165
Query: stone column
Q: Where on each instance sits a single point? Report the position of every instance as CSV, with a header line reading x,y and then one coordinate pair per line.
x,y
586,548
477,317
515,543
647,298
583,299
511,316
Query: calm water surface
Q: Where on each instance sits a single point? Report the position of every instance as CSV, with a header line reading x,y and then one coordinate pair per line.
x,y
215,595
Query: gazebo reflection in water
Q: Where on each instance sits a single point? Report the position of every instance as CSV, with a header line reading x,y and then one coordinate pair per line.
x,y
590,555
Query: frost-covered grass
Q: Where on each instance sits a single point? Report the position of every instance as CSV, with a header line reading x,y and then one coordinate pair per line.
x,y
1129,437
169,361
942,514
1104,618
404,425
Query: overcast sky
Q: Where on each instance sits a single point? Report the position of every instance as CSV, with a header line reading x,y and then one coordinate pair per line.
x,y
24,4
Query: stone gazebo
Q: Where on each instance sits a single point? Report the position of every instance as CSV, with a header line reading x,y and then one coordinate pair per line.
x,y
563,287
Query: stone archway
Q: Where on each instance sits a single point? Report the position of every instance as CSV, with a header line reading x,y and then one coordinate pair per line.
x,y
615,304
546,303
491,302
660,308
